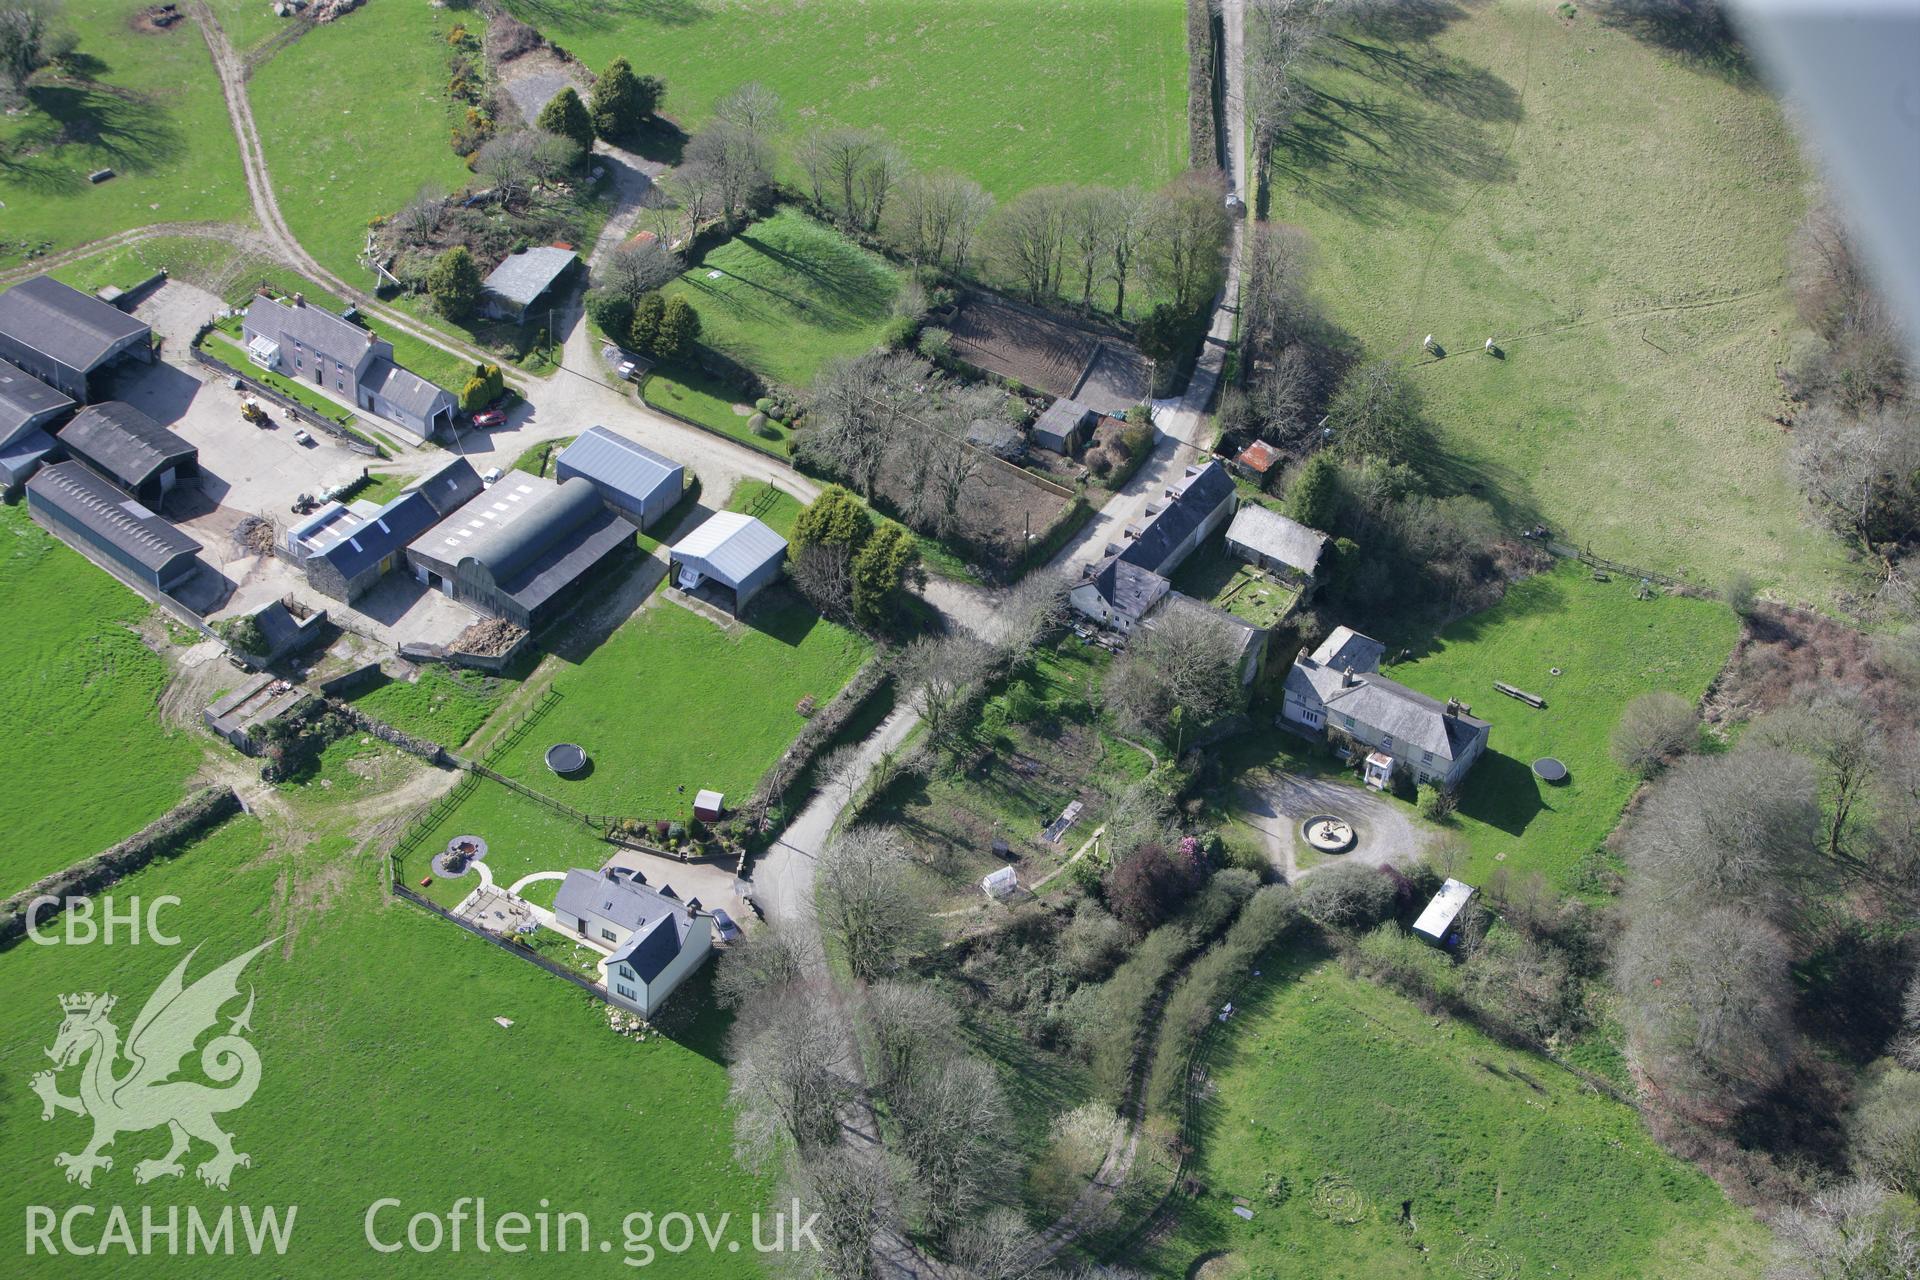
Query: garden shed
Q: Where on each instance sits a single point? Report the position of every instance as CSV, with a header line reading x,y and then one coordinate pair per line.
x,y
730,559
1064,427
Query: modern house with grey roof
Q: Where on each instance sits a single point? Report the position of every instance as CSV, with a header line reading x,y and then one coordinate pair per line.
x,y
515,288
354,365
1064,427
513,551
110,528
66,338
653,939
1283,547
632,479
29,411
130,449
1338,691
729,559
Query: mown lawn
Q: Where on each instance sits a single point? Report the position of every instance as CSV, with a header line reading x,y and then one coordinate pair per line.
x,y
1609,647
81,692
383,1074
1617,222
1336,1103
149,108
788,294
522,837
672,704
769,504
442,704
709,402
351,137
1013,96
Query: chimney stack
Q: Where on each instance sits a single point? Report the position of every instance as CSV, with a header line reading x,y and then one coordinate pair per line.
x,y
299,299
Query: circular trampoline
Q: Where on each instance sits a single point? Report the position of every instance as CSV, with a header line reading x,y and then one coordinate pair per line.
x,y
1548,769
1328,834
566,757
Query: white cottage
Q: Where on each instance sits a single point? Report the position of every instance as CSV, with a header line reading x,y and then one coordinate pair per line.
x,y
656,940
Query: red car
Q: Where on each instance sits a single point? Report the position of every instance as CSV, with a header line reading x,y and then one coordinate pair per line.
x,y
489,418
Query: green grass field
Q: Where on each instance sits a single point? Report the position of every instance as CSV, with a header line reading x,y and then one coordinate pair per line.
x,y
522,837
444,704
1609,648
672,701
709,402
1617,222
149,108
81,690
1334,1102
769,504
791,294
1213,575
383,1074
1012,95
350,137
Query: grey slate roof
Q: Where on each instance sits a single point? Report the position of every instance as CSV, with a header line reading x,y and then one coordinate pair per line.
x,y
398,524
1343,675
1195,500
92,502
315,328
59,321
564,560
522,277
630,905
1277,537
1131,591
402,387
124,442
23,399
22,452
620,464
733,545
450,487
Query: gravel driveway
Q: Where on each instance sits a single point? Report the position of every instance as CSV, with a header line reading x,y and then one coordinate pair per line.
x,y
1275,802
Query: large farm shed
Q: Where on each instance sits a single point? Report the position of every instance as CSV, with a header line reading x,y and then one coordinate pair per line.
x,y
130,449
111,529
515,549
29,409
632,479
66,338
732,556
347,550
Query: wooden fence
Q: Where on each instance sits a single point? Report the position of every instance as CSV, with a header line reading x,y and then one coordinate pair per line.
x,y
1567,551
577,978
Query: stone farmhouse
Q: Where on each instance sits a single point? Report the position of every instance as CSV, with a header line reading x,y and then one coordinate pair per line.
x,y
654,939
1130,586
1338,692
351,364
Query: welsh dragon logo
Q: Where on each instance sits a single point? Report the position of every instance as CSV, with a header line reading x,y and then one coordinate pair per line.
x,y
144,1095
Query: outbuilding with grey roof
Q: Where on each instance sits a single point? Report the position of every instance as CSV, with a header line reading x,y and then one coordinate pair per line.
x,y
66,338
130,449
729,559
632,479
522,279
110,528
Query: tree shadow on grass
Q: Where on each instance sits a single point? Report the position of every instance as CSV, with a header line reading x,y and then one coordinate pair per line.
x,y
128,132
842,277
782,617
1697,32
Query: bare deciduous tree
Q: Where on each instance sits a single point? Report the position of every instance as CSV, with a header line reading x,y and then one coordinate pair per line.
x,y
851,172
1273,289
1000,1246
937,215
1181,670
753,108
1653,729
1088,217
508,163
420,217
860,408
1738,829
912,1025
765,959
788,1072
867,901
850,1195
956,1132
940,677
1129,227
1860,470
741,165
1837,731
1884,1129
1189,239
1030,611
637,270
1030,239
1856,1231
1706,998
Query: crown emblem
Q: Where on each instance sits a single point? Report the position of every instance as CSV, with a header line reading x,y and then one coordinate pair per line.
x,y
85,1002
